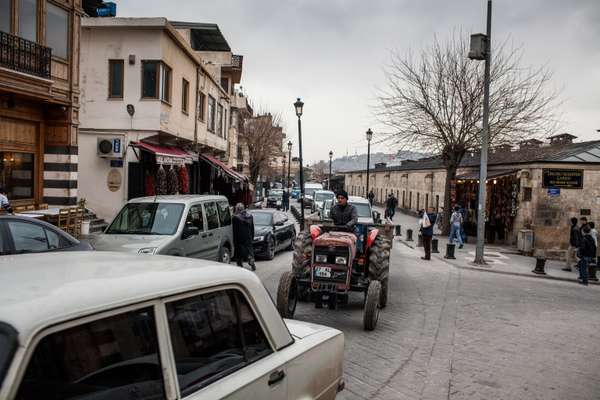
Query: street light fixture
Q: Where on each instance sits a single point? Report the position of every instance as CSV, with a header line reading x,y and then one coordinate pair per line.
x,y
369,137
289,145
299,105
329,181
481,49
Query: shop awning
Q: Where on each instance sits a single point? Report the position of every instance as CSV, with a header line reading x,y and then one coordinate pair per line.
x,y
167,154
221,165
491,174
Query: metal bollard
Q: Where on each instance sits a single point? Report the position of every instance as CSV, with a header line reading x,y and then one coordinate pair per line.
x,y
434,246
409,233
450,251
540,263
420,240
398,230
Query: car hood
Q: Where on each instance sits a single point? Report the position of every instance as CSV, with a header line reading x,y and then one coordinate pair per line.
x,y
262,230
300,329
128,243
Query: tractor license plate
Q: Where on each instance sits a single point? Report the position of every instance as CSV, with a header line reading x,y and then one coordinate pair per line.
x,y
323,272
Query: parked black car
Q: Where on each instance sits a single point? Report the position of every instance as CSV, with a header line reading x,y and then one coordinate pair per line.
x,y
19,235
272,232
275,198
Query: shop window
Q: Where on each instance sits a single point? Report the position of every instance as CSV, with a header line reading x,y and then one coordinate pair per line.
x,y
185,95
527,194
211,113
57,30
28,19
17,175
97,358
115,79
5,16
202,106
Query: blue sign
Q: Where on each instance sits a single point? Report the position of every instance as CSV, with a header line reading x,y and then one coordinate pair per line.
x,y
553,192
117,145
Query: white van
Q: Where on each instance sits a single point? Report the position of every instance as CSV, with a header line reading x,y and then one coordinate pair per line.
x,y
309,191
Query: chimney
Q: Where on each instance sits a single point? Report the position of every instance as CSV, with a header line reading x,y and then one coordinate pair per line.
x,y
563,138
530,144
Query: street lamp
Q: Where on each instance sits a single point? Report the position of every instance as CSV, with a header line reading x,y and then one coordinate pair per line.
x,y
289,163
481,49
329,181
369,137
283,169
298,105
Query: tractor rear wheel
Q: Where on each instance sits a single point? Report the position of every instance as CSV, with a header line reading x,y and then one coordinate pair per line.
x,y
301,260
287,295
379,265
371,312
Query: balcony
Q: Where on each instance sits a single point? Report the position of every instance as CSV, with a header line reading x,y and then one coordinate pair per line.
x,y
237,61
25,56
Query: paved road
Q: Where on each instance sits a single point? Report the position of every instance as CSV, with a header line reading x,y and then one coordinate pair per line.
x,y
456,334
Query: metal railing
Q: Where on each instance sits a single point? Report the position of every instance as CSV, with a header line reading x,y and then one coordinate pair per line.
x,y
237,61
24,55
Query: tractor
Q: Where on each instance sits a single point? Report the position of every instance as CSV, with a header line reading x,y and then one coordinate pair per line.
x,y
332,261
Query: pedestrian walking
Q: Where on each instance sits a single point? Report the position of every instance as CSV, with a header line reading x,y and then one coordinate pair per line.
x,y
390,206
4,203
594,261
427,223
285,200
574,240
587,250
371,196
456,221
243,234
463,213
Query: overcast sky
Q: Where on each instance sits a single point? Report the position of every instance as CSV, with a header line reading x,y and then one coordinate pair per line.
x,y
331,53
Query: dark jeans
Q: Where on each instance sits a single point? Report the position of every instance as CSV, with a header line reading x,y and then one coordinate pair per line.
x,y
427,246
583,269
391,211
285,205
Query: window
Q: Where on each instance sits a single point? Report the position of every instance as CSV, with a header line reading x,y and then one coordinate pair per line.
x,y
212,216
240,153
437,203
165,83
201,106
57,30
527,194
195,217
410,200
5,16
418,200
147,219
115,79
185,95
28,237
220,120
211,113
28,20
224,213
426,200
213,335
224,123
114,357
225,84
16,174
150,79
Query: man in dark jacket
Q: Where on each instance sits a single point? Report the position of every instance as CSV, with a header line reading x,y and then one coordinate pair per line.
x,y
427,231
285,200
371,196
344,214
391,205
586,251
243,235
574,241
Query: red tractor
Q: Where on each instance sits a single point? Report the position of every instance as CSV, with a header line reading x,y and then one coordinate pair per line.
x,y
330,262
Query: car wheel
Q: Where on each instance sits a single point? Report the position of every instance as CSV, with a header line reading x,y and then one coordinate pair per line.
x,y
225,256
270,248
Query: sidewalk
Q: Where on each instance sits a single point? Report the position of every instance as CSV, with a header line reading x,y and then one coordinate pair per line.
x,y
500,260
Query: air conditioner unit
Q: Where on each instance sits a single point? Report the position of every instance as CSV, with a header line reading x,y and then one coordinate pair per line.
x,y
110,147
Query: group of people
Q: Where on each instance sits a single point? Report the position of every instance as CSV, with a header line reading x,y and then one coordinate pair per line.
x,y
391,203
583,249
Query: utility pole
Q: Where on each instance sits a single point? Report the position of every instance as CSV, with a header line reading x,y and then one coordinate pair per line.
x,y
299,105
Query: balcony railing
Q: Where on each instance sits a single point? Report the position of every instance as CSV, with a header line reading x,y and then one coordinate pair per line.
x,y
24,55
237,61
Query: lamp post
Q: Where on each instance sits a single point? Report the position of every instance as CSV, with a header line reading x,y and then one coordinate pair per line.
x,y
298,105
289,163
329,181
369,137
283,169
481,49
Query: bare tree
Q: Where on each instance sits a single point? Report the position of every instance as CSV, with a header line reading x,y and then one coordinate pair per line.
x,y
433,102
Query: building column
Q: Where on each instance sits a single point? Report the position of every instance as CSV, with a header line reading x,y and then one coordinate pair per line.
x,y
60,175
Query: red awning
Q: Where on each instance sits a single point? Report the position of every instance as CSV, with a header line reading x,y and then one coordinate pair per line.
x,y
220,164
164,154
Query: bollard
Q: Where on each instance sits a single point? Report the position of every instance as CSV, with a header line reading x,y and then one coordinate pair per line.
x,y
450,251
409,233
592,267
540,263
420,240
398,230
434,246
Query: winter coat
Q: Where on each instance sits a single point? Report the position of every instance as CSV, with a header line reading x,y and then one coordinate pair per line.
x,y
243,233
391,202
575,236
587,247
344,215
429,230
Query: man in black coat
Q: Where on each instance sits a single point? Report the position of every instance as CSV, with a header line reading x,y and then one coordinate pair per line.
x,y
427,231
285,200
574,242
243,235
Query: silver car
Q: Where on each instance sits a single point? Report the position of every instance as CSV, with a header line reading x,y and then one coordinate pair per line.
x,y
184,225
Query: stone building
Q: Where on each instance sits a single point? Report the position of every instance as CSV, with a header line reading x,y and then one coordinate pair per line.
x,y
537,186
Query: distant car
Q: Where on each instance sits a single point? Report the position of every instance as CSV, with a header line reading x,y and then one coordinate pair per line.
x,y
309,191
185,225
319,197
295,193
272,232
365,214
105,326
275,198
20,235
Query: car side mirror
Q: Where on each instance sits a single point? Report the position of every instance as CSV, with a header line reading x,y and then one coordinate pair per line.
x,y
189,231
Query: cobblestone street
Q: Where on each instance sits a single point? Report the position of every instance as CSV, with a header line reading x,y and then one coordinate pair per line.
x,y
449,333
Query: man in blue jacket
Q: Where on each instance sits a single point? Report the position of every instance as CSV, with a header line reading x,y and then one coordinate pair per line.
x,y
427,231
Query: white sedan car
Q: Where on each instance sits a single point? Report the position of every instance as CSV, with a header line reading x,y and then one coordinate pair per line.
x,y
116,326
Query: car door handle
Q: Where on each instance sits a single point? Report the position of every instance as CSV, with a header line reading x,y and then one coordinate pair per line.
x,y
275,377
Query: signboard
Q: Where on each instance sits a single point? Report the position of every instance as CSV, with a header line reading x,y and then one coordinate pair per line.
x,y
117,146
553,192
562,178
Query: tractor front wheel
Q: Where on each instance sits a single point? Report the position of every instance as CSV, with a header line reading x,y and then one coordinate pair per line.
x,y
371,312
379,265
287,295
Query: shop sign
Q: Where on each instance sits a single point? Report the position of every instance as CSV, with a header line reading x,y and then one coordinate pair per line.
x,y
562,178
553,192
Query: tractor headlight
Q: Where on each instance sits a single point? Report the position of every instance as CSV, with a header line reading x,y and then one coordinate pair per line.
x,y
321,258
340,260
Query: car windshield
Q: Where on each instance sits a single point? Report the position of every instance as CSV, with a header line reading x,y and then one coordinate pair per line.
x,y
276,193
363,210
310,191
262,218
323,196
147,219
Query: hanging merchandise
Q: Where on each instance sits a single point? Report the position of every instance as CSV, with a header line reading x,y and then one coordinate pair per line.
x,y
161,181
172,181
184,180
149,185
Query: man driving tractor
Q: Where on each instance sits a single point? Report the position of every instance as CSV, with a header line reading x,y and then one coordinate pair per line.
x,y
344,214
